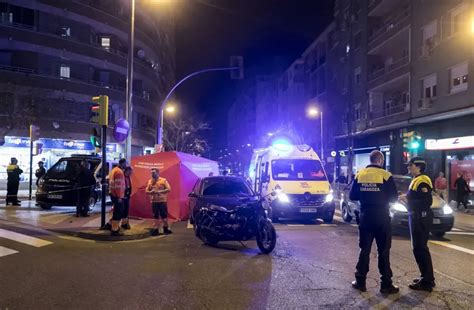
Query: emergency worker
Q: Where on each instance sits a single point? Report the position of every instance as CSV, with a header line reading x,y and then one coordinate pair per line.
x,y
117,195
419,200
13,182
375,188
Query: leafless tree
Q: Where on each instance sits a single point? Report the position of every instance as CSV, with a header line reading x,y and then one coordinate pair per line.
x,y
186,135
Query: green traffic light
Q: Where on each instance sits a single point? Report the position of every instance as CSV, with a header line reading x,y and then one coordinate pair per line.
x,y
95,142
415,145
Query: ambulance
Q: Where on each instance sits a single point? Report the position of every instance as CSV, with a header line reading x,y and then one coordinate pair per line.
x,y
296,177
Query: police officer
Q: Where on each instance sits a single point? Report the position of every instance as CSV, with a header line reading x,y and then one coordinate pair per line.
x,y
13,183
375,188
419,200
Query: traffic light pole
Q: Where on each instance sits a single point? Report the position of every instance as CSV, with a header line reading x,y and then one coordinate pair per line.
x,y
31,164
104,176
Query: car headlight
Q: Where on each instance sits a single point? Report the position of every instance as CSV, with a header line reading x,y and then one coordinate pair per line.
x,y
283,197
329,197
399,207
447,210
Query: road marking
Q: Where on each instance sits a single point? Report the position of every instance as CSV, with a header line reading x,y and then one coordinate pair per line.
x,y
6,251
295,225
466,233
454,247
456,229
23,238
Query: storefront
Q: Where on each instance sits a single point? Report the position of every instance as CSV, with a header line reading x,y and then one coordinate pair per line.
x,y
52,150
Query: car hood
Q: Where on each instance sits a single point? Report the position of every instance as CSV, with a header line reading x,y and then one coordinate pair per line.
x,y
226,201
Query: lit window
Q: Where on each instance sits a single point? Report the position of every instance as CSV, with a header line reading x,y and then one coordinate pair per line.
x,y
105,42
65,71
459,78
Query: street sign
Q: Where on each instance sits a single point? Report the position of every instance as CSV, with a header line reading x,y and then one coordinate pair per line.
x,y
121,130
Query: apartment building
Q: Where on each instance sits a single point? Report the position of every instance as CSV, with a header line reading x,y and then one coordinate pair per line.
x,y
411,74
56,55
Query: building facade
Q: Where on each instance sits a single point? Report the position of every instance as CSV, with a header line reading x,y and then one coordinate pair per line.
x,y
56,55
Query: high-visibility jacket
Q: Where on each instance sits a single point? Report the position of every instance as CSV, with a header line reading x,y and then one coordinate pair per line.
x,y
419,194
117,183
374,187
13,173
154,187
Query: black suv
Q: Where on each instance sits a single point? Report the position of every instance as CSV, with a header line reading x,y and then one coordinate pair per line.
x,y
58,186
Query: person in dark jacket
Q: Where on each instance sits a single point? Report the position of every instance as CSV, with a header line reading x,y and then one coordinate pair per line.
x,y
85,184
374,188
462,191
13,183
419,200
40,172
125,224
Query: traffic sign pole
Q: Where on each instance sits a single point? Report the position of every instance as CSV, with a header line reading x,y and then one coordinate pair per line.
x,y
31,163
104,176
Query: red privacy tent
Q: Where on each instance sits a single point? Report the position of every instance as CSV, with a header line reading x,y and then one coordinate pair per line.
x,y
180,169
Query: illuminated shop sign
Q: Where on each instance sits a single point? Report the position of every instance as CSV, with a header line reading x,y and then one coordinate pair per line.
x,y
59,144
450,143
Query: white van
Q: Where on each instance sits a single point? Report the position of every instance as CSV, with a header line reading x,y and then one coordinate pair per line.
x,y
297,175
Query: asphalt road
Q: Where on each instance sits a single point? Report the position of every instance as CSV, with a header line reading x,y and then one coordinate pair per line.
x,y
311,268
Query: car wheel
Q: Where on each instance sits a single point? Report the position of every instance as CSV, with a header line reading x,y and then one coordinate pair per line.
x,y
438,234
45,206
92,202
346,216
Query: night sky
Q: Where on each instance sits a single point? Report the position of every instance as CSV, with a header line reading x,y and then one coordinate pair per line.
x,y
270,34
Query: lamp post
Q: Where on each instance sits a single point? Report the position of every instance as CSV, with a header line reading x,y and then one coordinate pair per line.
x,y
129,89
312,113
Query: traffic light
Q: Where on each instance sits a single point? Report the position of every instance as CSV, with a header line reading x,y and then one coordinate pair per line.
x,y
238,63
95,139
100,110
411,140
34,132
37,148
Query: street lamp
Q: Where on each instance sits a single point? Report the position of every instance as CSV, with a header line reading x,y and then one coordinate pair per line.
x,y
313,112
171,109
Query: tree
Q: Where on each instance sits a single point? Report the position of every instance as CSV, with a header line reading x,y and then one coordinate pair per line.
x,y
186,135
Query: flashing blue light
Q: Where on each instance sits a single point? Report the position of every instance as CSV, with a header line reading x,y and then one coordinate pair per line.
x,y
282,145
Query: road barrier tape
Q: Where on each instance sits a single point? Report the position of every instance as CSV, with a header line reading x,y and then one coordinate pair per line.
x,y
60,191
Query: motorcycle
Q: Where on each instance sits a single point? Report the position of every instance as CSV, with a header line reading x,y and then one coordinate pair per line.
x,y
245,221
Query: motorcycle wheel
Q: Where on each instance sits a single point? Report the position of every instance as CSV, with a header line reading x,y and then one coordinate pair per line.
x,y
208,239
266,238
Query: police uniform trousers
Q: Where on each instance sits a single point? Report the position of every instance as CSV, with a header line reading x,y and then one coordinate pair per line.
x,y
12,191
375,224
420,226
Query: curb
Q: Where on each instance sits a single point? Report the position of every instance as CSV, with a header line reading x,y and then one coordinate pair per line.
x,y
102,237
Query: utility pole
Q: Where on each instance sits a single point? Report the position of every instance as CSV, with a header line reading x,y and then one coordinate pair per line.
x,y
129,89
351,111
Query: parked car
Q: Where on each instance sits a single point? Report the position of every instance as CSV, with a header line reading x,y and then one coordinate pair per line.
x,y
443,220
57,186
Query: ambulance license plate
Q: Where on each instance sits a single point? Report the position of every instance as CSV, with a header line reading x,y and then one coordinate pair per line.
x,y
55,196
308,210
436,221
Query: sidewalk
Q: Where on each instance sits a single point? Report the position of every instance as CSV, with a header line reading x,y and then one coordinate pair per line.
x,y
63,220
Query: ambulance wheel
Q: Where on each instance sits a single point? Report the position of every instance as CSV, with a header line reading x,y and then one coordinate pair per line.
x,y
45,206
328,219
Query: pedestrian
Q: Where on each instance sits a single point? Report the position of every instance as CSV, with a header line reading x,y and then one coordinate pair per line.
x,y
40,172
158,189
125,224
117,195
375,188
441,186
420,219
13,182
86,183
462,191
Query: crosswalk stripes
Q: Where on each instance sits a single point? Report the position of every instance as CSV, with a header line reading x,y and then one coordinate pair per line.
x,y
21,238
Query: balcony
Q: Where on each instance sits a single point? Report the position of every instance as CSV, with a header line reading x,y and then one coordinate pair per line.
x,y
388,72
45,84
389,27
123,56
380,7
